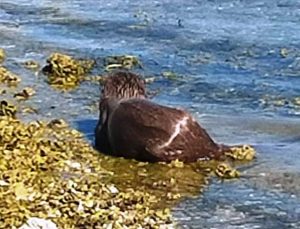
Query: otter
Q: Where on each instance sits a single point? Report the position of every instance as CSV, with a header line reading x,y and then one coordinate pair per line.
x,y
131,126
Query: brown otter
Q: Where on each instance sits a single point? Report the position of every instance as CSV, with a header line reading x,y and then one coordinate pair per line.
x,y
134,127
118,85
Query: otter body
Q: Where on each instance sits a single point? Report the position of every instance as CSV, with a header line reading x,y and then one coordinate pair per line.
x,y
134,127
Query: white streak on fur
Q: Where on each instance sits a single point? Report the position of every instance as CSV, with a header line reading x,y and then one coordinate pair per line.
x,y
180,124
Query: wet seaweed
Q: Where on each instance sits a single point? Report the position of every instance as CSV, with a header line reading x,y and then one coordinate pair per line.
x,y
31,64
241,153
2,55
65,72
121,62
225,171
25,94
49,171
8,77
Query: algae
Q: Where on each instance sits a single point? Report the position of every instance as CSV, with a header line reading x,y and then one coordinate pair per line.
x,y
65,72
121,62
2,55
8,77
225,171
96,79
241,153
296,101
284,52
31,64
170,75
25,94
278,102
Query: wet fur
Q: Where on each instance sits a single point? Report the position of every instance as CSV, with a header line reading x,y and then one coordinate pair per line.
x,y
123,85
134,127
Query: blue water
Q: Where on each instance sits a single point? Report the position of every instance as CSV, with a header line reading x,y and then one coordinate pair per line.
x,y
231,76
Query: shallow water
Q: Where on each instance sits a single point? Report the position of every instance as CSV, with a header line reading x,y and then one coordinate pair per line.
x,y
231,75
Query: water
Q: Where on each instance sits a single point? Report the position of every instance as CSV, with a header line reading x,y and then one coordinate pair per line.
x,y
231,75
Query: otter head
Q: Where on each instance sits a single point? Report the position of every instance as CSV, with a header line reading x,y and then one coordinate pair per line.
x,y
118,86
123,85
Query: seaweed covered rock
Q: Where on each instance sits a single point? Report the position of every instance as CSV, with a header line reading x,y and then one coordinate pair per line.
x,y
49,171
7,109
2,55
65,72
31,64
241,153
225,171
8,77
121,62
25,94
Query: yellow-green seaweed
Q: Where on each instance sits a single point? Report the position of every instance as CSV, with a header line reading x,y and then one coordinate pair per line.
x,y
31,64
121,62
65,72
2,55
8,77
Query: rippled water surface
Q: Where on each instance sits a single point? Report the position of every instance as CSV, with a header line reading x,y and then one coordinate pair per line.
x,y
238,68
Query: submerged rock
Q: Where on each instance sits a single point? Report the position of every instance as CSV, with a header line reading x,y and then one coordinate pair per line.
x,y
26,93
169,75
241,153
31,64
121,62
225,171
